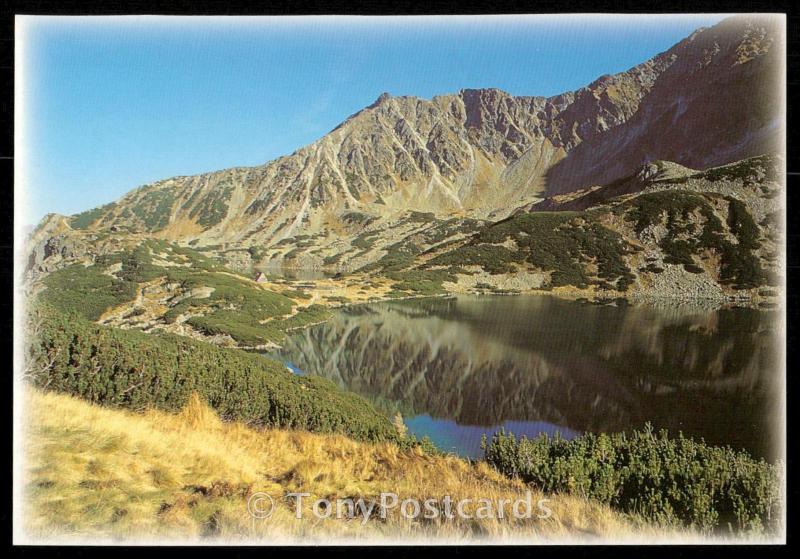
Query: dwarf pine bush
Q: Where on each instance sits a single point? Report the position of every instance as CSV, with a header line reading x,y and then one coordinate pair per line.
x,y
667,480
126,368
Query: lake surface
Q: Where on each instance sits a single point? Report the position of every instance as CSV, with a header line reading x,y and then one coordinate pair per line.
x,y
459,368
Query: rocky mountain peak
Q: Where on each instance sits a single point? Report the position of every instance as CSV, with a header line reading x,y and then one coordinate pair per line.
x,y
483,152
381,98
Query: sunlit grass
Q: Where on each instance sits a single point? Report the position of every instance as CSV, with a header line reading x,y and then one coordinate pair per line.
x,y
101,473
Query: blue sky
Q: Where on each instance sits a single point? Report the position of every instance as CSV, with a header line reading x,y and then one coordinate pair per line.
x,y
111,104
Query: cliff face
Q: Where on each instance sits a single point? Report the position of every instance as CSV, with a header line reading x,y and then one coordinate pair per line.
x,y
481,153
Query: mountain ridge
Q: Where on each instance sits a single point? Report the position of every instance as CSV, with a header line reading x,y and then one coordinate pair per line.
x,y
469,151
475,154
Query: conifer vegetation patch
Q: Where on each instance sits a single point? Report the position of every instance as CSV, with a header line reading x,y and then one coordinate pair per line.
x,y
666,480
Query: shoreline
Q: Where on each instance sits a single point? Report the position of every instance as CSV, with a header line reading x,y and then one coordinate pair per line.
x,y
575,294
586,296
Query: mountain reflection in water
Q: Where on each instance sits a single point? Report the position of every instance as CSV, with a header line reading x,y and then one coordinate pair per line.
x,y
458,368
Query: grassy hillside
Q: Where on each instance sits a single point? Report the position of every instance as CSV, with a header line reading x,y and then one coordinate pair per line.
x,y
132,369
99,472
196,289
563,243
721,226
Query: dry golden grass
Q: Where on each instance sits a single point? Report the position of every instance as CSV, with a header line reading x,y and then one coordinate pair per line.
x,y
99,473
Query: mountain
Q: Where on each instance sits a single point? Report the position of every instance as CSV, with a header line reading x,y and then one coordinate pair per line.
x,y
709,100
666,230
718,101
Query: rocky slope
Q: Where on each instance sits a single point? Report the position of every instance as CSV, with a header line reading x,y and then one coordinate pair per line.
x,y
664,231
706,101
717,102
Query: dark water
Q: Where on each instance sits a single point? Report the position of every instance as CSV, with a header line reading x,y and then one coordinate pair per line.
x,y
460,368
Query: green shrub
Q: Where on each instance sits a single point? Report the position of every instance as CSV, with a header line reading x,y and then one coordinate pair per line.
x,y
688,237
198,260
742,224
560,242
421,282
230,323
235,306
493,259
137,264
135,370
257,253
671,481
85,219
653,269
294,253
86,290
311,314
365,241
89,291
154,208
745,170
399,256
332,259
358,218
296,294
420,217
213,208
250,315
